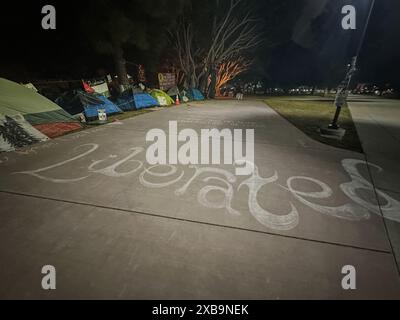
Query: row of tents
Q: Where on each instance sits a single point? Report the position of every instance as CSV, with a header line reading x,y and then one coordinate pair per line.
x,y
78,101
26,117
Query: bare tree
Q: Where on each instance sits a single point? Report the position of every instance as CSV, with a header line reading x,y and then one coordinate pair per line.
x,y
187,54
233,34
227,71
234,31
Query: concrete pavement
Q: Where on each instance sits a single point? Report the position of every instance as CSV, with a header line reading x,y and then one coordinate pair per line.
x,y
378,125
86,204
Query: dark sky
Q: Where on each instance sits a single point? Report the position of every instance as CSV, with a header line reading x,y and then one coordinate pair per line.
x,y
319,43
35,53
316,52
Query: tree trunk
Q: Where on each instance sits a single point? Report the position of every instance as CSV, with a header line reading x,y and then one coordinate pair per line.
x,y
211,90
120,66
186,82
204,82
218,91
193,81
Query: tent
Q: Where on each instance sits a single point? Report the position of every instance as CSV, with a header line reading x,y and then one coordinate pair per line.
x,y
78,101
144,100
162,98
44,115
191,94
125,101
196,94
91,110
128,101
173,92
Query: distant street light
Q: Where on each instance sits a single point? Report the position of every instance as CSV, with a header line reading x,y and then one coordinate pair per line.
x,y
342,91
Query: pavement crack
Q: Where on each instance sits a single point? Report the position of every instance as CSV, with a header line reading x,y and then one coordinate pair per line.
x,y
150,214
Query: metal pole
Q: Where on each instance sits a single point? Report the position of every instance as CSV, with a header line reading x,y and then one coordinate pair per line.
x,y
365,28
342,92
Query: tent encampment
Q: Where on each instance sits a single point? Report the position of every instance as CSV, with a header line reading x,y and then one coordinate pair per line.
x,y
78,101
162,98
21,108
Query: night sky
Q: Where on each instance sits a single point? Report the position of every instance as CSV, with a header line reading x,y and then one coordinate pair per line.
x,y
315,52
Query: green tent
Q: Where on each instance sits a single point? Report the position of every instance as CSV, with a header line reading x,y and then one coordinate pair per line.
x,y
27,117
162,98
36,109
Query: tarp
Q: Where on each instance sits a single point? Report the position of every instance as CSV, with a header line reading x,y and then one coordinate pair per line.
x,y
53,130
162,98
16,132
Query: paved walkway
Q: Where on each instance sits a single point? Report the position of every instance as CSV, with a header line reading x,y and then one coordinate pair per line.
x,y
378,124
85,204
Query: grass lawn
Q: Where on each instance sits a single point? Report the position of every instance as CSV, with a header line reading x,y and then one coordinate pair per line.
x,y
309,116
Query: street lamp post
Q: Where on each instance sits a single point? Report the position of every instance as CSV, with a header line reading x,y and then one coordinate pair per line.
x,y
343,89
343,92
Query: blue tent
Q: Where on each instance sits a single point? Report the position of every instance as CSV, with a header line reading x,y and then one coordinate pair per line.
x,y
128,101
91,111
78,101
197,95
144,100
